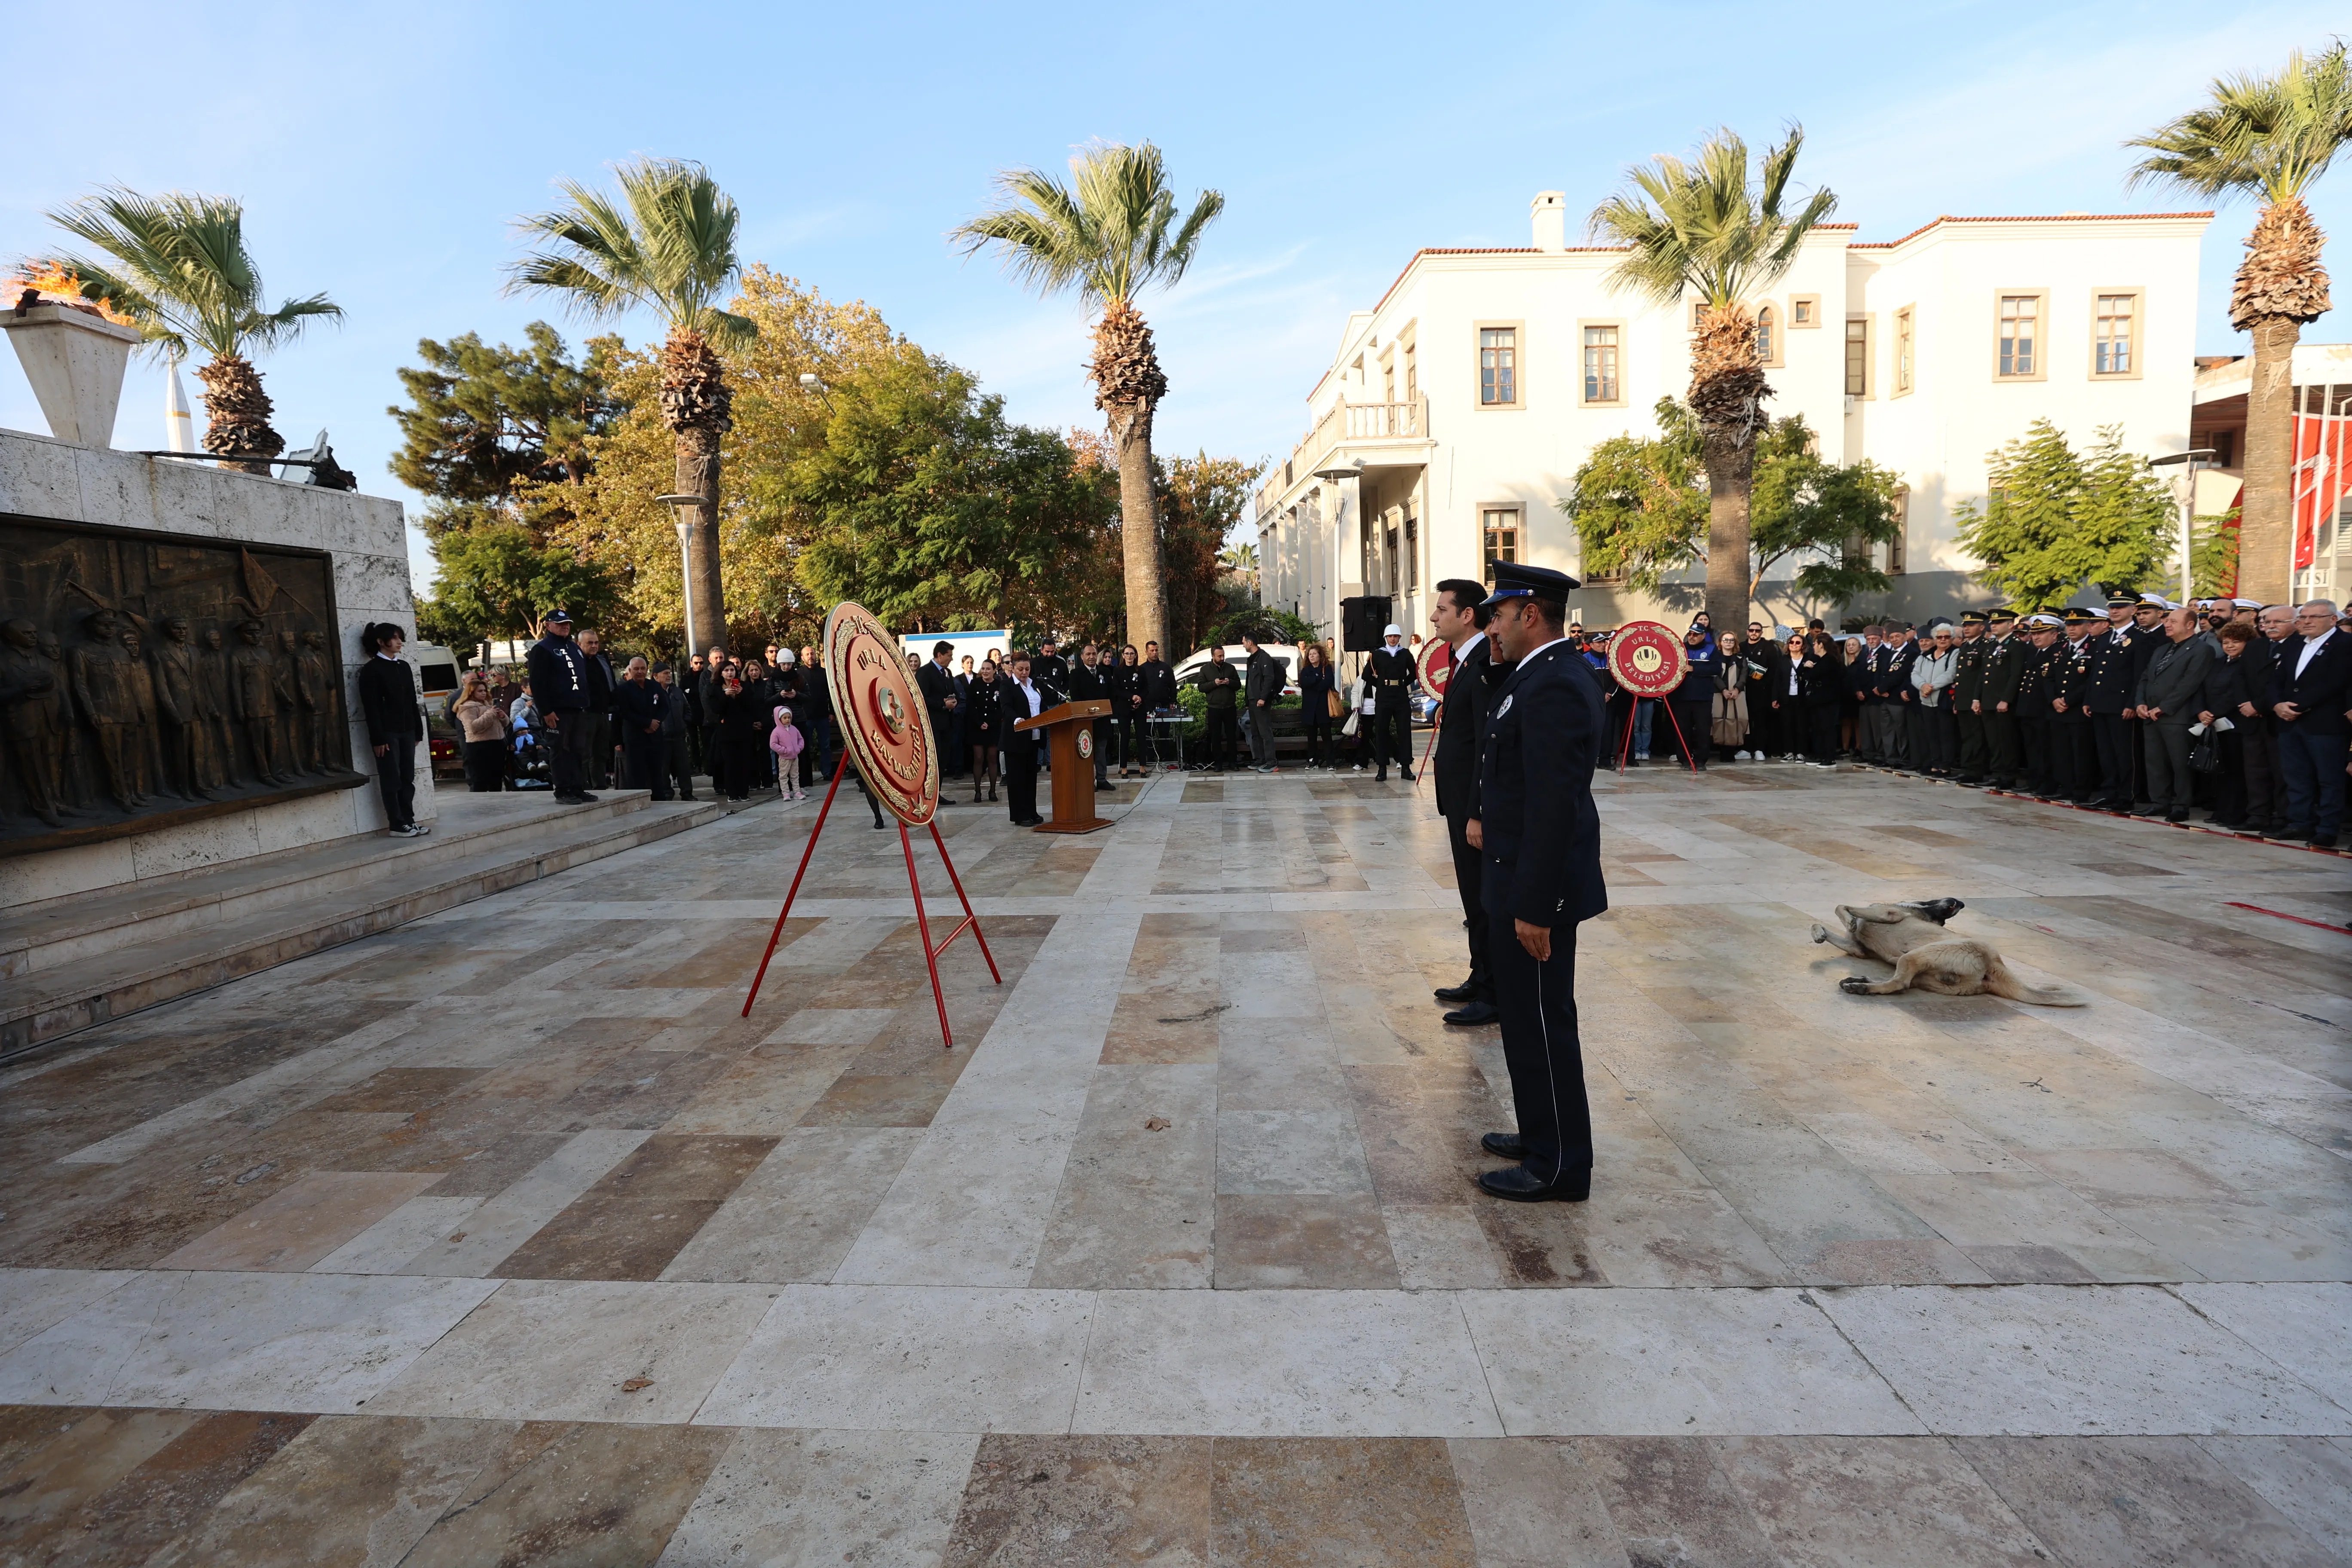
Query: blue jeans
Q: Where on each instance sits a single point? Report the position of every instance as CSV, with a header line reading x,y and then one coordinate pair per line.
x,y
1644,712
2314,766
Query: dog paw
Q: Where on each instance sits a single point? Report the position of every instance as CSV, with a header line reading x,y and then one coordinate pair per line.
x,y
1854,985
1820,933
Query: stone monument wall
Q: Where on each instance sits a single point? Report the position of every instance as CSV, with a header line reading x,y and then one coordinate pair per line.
x,y
203,625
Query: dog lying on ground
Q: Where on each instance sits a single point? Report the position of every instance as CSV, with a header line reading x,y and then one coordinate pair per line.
x,y
1927,957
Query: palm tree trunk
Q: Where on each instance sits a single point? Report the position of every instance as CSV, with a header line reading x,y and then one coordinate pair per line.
x,y
1128,385
2279,285
236,412
2266,517
698,473
1730,456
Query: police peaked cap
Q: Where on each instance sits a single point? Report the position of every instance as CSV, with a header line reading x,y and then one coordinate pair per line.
x,y
1973,617
1514,580
2079,616
2123,602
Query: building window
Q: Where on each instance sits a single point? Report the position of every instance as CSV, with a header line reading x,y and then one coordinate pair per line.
x,y
2112,333
1895,552
1767,339
1502,528
1388,381
1857,357
1601,346
1804,311
1411,552
1905,340
1498,367
1412,376
2020,335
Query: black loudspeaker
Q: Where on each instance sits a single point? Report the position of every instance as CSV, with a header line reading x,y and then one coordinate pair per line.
x,y
1361,621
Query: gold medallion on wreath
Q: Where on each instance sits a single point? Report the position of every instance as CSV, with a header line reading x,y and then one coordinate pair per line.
x,y
881,718
1647,659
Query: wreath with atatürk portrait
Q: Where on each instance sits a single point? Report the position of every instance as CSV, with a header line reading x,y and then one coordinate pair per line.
x,y
882,719
1647,659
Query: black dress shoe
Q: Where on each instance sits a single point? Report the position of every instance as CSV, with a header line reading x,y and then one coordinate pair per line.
x,y
1455,994
1518,1185
583,800
1503,1145
1027,821
1474,1014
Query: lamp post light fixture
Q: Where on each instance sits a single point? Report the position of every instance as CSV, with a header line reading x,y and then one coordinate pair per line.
x,y
682,511
2193,456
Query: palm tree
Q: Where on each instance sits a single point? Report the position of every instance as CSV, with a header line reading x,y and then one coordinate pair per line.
x,y
177,265
2270,138
668,245
1705,230
1110,234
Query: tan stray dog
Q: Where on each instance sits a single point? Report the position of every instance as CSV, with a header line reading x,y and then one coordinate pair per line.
x,y
1927,957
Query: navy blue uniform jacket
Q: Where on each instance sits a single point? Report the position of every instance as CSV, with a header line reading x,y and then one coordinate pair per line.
x,y
1541,834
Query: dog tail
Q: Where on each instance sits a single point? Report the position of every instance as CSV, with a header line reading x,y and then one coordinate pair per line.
x,y
2001,983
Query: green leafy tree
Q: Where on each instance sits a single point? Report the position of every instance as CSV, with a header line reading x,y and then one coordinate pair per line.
x,y
499,577
1202,500
668,243
2213,554
178,267
2055,518
2269,138
482,420
1640,507
1708,230
1108,234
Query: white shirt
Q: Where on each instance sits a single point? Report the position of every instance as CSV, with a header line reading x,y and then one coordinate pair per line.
x,y
2310,645
1028,697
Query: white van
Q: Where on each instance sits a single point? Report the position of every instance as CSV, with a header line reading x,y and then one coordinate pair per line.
x,y
1285,653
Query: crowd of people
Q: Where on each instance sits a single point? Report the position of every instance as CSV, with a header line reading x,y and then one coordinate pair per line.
x,y
2225,706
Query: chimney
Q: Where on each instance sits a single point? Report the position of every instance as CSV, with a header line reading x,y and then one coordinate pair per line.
x,y
1550,210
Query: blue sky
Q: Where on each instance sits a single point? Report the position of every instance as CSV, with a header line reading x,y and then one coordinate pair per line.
x,y
383,151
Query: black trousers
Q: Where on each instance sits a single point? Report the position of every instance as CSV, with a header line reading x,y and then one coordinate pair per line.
x,y
567,737
2229,784
2005,758
2111,739
1689,726
677,766
486,766
395,776
2170,781
1943,736
600,749
2033,745
1021,777
2078,755
2266,779
1972,732
1131,740
1538,1002
1392,736
1822,720
642,759
1467,878
1319,746
1105,748
714,757
1223,737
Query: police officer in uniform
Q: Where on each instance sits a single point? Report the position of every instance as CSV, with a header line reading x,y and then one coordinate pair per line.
x,y
1540,837
2077,770
2117,656
1392,673
2037,687
560,686
1996,704
1967,684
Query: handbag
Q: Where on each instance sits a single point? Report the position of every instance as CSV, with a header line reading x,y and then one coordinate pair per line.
x,y
2205,757
1332,703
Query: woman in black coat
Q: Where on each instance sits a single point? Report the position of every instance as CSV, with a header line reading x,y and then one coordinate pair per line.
x,y
2228,693
1827,689
984,700
734,703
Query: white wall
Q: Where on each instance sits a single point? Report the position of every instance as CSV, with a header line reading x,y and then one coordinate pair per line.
x,y
41,478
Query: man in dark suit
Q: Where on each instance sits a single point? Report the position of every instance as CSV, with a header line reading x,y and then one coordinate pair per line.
x,y
1091,683
1152,688
1050,667
1460,617
2311,686
936,682
603,683
1024,698
559,688
1541,836
1392,674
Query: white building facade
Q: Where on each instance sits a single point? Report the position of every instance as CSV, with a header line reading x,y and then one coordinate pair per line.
x,y
1458,409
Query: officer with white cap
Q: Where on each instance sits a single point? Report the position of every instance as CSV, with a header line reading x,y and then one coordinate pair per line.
x,y
1392,673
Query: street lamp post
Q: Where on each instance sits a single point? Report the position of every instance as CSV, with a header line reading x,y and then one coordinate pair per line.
x,y
679,505
2194,456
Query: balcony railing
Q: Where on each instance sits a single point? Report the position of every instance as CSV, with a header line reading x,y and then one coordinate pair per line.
x,y
1345,422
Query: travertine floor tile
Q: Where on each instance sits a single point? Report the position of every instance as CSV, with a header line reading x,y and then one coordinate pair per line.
x,y
1075,1502
827,1497
2118,1502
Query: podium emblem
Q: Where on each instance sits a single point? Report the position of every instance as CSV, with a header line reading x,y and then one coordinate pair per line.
x,y
1086,743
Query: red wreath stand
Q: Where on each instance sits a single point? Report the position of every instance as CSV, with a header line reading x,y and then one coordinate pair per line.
x,y
1648,662
931,950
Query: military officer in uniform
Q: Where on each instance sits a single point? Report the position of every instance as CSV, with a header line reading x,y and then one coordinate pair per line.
x,y
1996,704
2118,656
1392,674
2077,770
1539,840
2037,687
1968,686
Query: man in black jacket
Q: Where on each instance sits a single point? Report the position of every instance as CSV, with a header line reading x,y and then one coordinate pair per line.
x,y
637,714
559,687
1261,680
1049,667
1024,698
2166,704
1392,674
1460,617
676,764
2311,686
395,722
937,680
1540,834
1152,685
1220,686
1091,683
602,685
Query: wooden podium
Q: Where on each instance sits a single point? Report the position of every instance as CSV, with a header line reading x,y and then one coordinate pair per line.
x,y
1070,735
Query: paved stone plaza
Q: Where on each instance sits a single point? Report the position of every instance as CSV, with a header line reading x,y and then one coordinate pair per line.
x,y
502,1237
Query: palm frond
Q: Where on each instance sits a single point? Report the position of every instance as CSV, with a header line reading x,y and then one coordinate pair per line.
x,y
2268,137
1705,228
1108,233
667,243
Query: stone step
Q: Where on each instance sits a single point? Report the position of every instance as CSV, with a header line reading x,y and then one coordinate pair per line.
x,y
149,945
